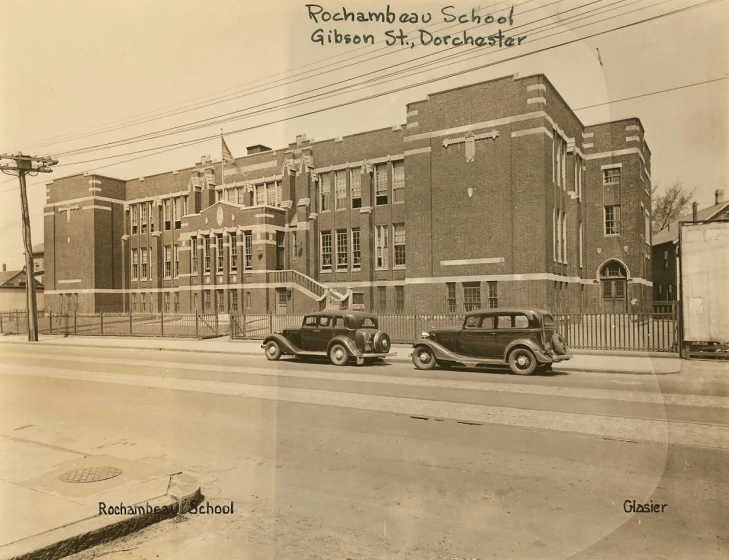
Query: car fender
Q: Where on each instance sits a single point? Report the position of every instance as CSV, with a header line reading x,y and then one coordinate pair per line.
x,y
348,343
533,346
440,352
283,343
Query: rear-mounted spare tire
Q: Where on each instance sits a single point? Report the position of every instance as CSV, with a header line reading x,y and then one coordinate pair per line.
x,y
559,344
381,342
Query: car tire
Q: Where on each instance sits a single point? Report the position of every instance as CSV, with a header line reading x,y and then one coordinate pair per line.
x,y
338,355
381,342
424,358
559,344
273,351
522,361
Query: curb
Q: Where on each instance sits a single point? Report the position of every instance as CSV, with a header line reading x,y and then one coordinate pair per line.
x,y
182,490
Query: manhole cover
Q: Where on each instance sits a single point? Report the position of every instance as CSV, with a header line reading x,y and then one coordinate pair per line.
x,y
91,474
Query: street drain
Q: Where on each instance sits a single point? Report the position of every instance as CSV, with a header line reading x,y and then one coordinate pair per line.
x,y
91,474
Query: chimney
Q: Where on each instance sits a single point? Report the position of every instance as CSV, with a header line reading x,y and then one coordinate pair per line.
x,y
257,149
719,196
695,207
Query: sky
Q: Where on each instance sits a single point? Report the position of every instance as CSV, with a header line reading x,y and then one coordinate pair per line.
x,y
78,74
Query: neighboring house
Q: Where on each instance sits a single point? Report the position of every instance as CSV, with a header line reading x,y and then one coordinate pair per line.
x,y
665,248
490,194
12,291
38,261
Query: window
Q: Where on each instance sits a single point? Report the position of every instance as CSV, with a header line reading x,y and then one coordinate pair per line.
x,y
503,322
581,242
326,250
260,194
207,254
219,253
451,297
234,301
178,212
168,261
355,178
356,249
471,296
340,187
611,176
208,307
143,300
342,249
144,263
399,299
151,216
521,321
185,205
381,185
168,214
281,297
176,256
271,194
325,187
145,209
647,222
249,250
564,238
665,259
559,236
382,299
176,302
559,149
294,248
472,322
134,303
381,246
612,220
398,234
493,301
135,264
240,196
398,181
167,302
310,321
578,175
133,217
233,252
357,300
489,322
220,296
193,255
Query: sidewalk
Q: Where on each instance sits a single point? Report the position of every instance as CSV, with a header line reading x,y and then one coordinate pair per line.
x,y
51,498
638,363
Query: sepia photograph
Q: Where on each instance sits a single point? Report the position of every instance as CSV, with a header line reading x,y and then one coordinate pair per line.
x,y
364,280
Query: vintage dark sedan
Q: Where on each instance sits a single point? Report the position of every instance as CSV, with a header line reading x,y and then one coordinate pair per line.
x,y
338,335
525,339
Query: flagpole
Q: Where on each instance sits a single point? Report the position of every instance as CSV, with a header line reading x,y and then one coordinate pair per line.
x,y
222,163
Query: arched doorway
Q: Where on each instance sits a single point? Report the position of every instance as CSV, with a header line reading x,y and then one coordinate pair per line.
x,y
614,287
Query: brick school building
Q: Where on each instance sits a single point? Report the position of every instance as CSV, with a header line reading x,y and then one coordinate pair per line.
x,y
491,194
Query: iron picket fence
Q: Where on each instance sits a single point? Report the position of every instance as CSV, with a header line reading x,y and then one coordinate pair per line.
x,y
657,332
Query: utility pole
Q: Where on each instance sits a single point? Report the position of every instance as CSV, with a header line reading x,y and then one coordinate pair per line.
x,y
27,165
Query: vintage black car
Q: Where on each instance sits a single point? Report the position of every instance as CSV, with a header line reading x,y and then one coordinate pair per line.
x,y
525,339
338,335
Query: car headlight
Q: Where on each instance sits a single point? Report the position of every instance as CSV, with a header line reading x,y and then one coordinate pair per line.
x,y
424,335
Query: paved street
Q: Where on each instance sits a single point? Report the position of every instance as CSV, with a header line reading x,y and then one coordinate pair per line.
x,y
390,462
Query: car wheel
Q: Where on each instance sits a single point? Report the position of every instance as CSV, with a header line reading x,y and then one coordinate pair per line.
x,y
338,355
423,358
273,352
522,362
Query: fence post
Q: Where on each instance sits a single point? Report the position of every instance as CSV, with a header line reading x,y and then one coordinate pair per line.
x,y
50,322
197,333
270,322
162,321
1,323
102,323
75,314
130,322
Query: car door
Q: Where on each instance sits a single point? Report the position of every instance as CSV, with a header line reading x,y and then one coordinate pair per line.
x,y
320,337
510,327
478,336
309,329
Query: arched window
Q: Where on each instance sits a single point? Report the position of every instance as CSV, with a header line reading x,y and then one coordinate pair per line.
x,y
614,286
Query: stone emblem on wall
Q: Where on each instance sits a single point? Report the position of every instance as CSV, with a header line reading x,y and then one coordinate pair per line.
x,y
219,216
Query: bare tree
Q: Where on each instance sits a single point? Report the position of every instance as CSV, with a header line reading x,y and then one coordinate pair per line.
x,y
669,206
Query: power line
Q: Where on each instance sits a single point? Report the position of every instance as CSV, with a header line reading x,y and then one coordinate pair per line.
x,y
234,95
